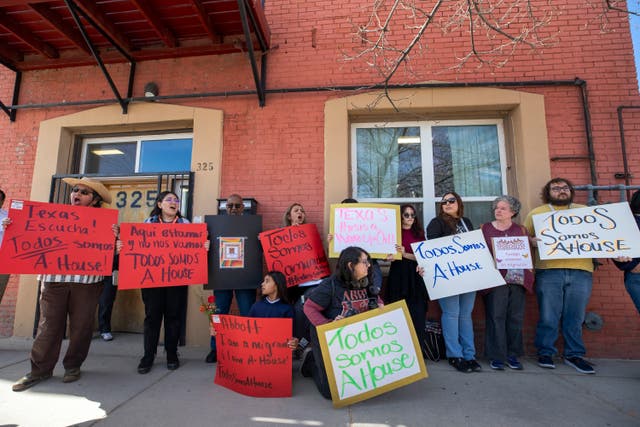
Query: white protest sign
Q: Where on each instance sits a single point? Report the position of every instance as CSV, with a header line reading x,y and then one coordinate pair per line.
x,y
604,231
375,227
370,353
457,264
512,252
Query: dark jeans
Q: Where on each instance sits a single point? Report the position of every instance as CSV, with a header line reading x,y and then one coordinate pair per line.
x,y
245,298
162,303
4,279
318,372
57,301
504,308
105,305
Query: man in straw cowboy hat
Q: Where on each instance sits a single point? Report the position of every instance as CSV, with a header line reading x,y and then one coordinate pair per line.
x,y
75,296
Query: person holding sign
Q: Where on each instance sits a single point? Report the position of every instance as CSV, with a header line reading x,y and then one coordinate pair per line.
x,y
274,303
404,282
4,278
563,288
457,325
163,302
631,266
244,297
341,295
62,296
504,305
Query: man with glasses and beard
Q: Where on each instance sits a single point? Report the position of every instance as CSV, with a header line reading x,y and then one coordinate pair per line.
x,y
563,288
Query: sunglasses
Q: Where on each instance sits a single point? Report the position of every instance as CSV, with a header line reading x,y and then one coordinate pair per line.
x,y
449,201
82,191
408,215
234,205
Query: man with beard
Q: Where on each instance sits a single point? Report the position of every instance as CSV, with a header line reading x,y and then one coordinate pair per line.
x,y
563,288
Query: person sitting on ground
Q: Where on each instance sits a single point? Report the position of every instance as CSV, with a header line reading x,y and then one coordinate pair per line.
x,y
341,295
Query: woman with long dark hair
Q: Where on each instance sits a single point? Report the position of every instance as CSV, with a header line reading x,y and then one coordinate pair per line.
x,y
341,295
404,282
164,302
457,325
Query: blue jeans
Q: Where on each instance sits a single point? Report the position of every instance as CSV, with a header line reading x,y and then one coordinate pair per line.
x,y
563,294
245,298
457,326
632,283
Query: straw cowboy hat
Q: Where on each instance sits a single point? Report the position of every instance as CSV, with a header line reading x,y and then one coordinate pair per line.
x,y
92,184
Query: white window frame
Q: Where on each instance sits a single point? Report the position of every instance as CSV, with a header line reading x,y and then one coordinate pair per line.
x,y
429,198
88,141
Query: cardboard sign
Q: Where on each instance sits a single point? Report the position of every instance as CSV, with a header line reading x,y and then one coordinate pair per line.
x,y
295,251
374,227
370,354
604,231
157,255
253,356
512,252
235,258
457,264
48,238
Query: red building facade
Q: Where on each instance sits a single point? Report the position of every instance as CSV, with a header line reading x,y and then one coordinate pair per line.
x,y
285,151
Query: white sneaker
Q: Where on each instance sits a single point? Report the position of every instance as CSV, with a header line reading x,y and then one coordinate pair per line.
x,y
106,336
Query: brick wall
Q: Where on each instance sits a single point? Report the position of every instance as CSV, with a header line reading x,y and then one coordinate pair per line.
x,y
275,153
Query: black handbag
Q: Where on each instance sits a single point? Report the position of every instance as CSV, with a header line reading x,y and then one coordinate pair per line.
x,y
434,346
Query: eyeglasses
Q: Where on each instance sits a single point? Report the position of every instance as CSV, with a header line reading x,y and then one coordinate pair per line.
x,y
365,262
234,205
559,189
172,200
449,201
82,191
408,215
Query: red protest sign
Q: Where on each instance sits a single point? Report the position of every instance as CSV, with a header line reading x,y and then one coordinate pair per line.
x,y
48,238
156,255
295,251
253,356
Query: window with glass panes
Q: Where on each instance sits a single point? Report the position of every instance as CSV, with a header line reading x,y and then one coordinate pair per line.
x,y
418,162
122,155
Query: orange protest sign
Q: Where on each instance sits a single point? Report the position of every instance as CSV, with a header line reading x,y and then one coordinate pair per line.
x,y
253,356
48,238
156,255
295,251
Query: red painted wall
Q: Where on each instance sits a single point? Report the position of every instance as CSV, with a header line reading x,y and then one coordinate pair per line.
x,y
275,153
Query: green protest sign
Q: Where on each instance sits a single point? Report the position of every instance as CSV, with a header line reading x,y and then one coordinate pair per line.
x,y
370,354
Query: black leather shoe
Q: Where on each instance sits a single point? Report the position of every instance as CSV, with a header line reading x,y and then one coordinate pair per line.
x,y
212,357
173,363
145,365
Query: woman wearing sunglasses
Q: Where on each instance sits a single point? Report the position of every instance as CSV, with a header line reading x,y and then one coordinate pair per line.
x,y
404,282
457,326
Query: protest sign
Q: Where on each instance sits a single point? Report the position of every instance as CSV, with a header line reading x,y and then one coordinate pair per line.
x,y
604,231
157,255
457,264
295,251
235,258
48,238
374,227
512,252
253,356
370,353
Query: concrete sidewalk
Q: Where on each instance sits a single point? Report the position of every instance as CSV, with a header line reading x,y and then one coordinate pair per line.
x,y
112,393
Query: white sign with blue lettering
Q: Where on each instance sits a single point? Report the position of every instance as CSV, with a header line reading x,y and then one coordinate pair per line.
x,y
457,264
